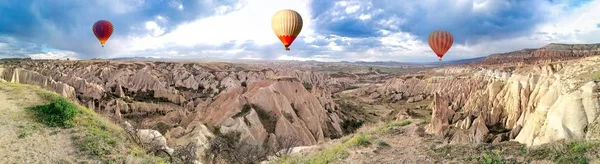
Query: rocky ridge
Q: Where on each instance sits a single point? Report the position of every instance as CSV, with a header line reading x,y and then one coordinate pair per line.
x,y
548,53
180,99
530,104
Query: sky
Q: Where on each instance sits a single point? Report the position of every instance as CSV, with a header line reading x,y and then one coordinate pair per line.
x,y
362,30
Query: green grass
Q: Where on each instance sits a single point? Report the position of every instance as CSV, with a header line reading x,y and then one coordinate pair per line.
x,y
93,134
571,152
490,157
385,129
359,140
58,113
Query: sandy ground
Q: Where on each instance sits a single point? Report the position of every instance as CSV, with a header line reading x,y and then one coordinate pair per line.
x,y
22,140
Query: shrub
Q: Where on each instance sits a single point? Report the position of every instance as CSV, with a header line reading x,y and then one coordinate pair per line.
x,y
267,118
387,128
58,113
359,140
492,158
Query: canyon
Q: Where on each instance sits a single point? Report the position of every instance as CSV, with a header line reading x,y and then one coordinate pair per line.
x,y
531,96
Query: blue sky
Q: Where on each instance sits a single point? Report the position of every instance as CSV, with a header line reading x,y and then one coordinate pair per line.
x,y
334,30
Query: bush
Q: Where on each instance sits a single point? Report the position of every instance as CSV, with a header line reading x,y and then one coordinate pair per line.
x,y
492,158
58,113
227,148
359,140
387,128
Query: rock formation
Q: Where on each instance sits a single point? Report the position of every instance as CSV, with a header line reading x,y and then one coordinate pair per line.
x,y
530,104
178,99
550,52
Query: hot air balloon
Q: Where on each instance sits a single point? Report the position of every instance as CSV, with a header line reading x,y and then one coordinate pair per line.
x,y
102,29
287,24
440,42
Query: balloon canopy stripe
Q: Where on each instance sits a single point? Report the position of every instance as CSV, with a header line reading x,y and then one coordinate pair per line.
x,y
440,42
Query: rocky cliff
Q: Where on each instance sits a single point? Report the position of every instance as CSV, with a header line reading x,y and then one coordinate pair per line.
x,y
529,104
179,99
548,53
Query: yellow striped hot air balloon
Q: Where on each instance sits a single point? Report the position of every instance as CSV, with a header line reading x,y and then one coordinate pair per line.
x,y
440,42
287,24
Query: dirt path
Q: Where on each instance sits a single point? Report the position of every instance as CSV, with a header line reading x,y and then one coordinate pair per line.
x,y
22,140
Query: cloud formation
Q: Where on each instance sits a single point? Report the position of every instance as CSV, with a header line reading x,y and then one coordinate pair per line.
x,y
333,30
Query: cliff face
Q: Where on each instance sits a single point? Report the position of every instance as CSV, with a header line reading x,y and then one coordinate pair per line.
x,y
551,52
531,104
178,99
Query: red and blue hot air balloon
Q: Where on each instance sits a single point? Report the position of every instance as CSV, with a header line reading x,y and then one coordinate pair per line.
x,y
102,29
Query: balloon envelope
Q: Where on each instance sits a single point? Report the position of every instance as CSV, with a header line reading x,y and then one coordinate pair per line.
x,y
102,29
287,24
440,42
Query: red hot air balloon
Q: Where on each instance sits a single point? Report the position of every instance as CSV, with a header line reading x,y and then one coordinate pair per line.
x,y
440,42
102,29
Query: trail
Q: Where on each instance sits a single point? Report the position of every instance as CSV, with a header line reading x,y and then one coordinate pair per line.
x,y
23,140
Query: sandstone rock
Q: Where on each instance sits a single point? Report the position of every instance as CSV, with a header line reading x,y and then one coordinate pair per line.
x,y
195,133
478,131
459,137
374,95
149,137
415,99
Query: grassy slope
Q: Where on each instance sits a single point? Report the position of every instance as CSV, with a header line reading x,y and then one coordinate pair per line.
x,y
95,136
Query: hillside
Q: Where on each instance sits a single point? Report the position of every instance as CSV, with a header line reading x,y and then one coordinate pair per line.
x,y
548,53
92,139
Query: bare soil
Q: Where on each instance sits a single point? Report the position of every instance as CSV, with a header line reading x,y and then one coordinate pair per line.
x,y
22,139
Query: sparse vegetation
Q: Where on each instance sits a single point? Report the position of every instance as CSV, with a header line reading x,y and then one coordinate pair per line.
x,y
382,143
492,158
350,126
569,152
227,148
329,155
359,140
94,135
267,119
245,110
27,130
307,86
388,127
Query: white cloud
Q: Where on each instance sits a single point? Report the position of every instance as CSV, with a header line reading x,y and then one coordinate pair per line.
x,y
154,29
251,22
364,17
248,24
55,55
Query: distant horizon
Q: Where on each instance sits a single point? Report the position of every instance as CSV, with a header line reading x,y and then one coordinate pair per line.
x,y
226,60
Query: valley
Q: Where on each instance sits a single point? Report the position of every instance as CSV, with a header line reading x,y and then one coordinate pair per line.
x,y
518,107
